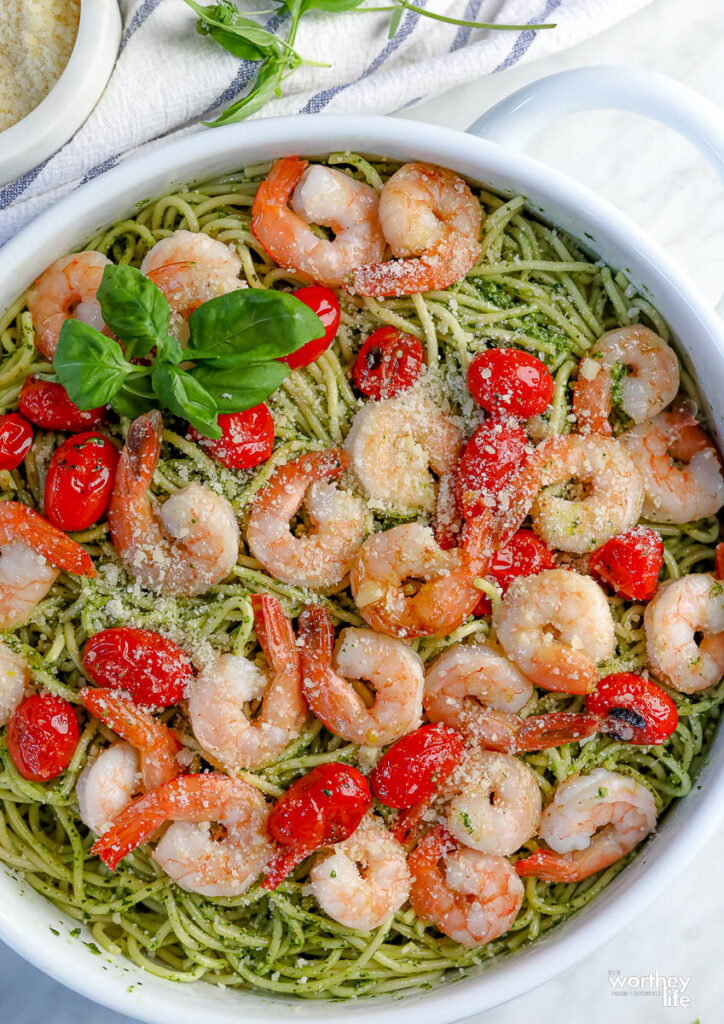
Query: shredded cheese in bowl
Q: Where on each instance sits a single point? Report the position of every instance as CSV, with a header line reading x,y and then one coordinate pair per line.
x,y
36,40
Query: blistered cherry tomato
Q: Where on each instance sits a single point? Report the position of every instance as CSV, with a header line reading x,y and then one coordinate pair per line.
x,y
79,481
525,554
324,807
388,363
490,460
635,709
414,767
630,563
325,304
719,562
42,737
247,438
46,404
510,381
154,670
16,439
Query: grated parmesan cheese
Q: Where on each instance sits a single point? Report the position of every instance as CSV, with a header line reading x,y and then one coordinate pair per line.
x,y
36,40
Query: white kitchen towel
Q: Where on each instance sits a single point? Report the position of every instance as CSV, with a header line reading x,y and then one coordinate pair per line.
x,y
168,78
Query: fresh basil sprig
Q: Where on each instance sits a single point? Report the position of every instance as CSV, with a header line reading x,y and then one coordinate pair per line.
x,y
229,364
276,56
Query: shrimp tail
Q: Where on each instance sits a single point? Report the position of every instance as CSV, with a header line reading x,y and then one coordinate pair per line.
x,y
477,543
317,638
133,827
274,632
18,522
405,829
325,465
141,452
282,864
156,743
548,866
539,732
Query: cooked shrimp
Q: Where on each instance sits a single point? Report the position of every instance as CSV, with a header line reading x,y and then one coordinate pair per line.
x,y
387,563
14,678
679,613
225,866
107,785
66,289
592,822
190,268
218,695
321,196
467,679
390,666
340,521
496,804
611,505
364,880
432,220
186,545
634,366
32,553
157,747
394,444
470,896
472,688
674,493
556,626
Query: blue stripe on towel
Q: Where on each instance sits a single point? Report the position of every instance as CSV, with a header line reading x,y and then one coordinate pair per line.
x,y
525,40
321,99
142,14
15,189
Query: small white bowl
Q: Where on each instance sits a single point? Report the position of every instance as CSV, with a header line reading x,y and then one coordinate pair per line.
x,y
46,128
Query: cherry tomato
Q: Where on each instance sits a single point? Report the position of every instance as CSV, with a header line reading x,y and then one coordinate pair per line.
x,y
154,670
325,304
16,439
323,807
508,380
630,563
414,768
42,737
636,710
492,457
46,404
719,562
79,481
525,554
247,438
388,363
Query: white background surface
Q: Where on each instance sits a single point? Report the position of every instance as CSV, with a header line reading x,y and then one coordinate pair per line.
x,y
665,185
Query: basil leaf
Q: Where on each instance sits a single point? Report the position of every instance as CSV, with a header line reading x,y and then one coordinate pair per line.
x,y
251,325
267,84
169,349
90,366
395,21
187,398
134,308
235,389
135,397
240,36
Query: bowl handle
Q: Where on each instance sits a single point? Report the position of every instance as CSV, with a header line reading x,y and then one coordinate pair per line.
x,y
516,119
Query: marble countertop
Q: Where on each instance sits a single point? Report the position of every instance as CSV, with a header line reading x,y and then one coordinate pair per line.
x,y
663,183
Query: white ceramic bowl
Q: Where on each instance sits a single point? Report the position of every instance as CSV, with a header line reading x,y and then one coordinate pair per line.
x,y
26,919
46,128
